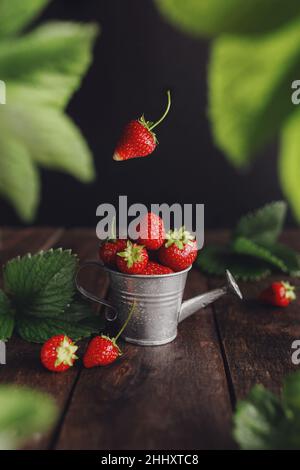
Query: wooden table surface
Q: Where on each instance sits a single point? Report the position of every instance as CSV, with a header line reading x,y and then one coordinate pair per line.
x,y
177,396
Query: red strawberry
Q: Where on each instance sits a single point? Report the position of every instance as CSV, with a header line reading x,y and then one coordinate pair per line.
x,y
278,294
153,268
58,353
109,249
103,350
179,251
137,139
152,231
133,259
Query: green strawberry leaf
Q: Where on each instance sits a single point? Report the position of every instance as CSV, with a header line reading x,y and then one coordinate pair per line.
x,y
264,225
38,330
249,89
41,285
7,320
19,178
260,422
210,17
289,257
23,412
215,260
16,14
244,246
289,162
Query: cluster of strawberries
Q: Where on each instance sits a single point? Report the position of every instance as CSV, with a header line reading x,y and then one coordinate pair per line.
x,y
155,253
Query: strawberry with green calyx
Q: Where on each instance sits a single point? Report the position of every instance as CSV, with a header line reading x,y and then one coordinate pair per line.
x,y
179,250
278,294
133,259
58,353
138,138
152,231
103,350
111,246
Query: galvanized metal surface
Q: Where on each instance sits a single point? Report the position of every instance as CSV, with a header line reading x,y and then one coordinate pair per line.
x,y
158,306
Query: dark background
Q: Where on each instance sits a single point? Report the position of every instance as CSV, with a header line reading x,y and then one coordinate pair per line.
x,y
136,58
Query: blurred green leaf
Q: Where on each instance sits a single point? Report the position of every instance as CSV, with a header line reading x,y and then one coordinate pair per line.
x,y
263,225
46,65
215,259
211,17
249,89
42,69
291,393
19,178
244,246
289,162
7,320
23,412
16,14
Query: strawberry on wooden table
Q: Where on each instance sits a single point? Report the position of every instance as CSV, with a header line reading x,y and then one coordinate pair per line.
x,y
58,353
103,350
133,259
179,250
154,268
138,138
278,294
152,231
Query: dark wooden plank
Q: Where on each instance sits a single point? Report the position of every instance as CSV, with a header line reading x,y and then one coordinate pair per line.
x,y
168,397
23,365
257,339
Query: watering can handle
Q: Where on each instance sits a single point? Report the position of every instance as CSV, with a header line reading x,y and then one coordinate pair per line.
x,y
90,295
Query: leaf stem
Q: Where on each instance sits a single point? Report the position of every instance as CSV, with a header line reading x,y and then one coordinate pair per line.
x,y
126,322
165,113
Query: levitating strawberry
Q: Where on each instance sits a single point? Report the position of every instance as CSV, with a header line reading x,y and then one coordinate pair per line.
x,y
109,249
138,138
58,353
152,231
103,350
133,259
179,250
278,294
154,268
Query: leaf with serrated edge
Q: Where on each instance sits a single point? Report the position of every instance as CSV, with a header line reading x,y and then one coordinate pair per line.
x,y
38,330
7,320
264,225
42,285
244,246
215,260
23,413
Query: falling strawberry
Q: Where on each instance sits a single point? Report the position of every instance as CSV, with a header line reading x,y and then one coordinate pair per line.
x,y
109,249
138,138
152,231
179,250
103,350
154,268
278,294
133,259
58,353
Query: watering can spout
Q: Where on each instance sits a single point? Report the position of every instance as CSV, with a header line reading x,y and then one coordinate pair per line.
x,y
196,303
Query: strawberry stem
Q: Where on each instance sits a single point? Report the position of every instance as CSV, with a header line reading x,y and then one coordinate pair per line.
x,y
165,113
126,323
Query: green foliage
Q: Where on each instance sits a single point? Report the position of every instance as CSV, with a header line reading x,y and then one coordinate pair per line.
x,y
41,292
23,412
211,17
253,251
255,56
41,69
264,422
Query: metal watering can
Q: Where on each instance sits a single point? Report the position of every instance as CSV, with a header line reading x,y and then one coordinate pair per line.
x,y
157,300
